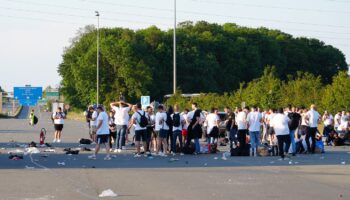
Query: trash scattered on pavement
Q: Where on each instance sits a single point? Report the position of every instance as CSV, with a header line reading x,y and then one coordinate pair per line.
x,y
272,162
32,150
173,159
27,167
296,162
32,144
290,162
205,164
16,157
61,163
49,150
343,163
108,193
321,157
215,158
16,151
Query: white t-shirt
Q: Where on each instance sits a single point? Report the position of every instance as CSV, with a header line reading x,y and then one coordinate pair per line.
x,y
137,117
121,115
254,121
328,120
159,117
313,118
303,119
241,120
280,124
343,126
182,120
104,129
212,118
94,115
61,116
337,118
184,116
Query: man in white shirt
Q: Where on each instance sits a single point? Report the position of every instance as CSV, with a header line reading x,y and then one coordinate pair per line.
x,y
254,119
280,126
162,129
213,121
121,117
102,133
241,120
58,117
178,123
139,119
337,118
313,117
327,119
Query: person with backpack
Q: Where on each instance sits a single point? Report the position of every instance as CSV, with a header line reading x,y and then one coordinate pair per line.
x,y
162,130
139,119
121,117
58,117
293,124
169,122
151,138
178,122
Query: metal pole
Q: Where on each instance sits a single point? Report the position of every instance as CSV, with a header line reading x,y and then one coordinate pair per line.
x,y
98,56
174,45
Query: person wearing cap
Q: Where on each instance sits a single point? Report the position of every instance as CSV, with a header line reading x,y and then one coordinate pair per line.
x,y
102,133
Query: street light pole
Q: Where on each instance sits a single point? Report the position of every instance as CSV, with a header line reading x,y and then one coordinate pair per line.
x,y
174,50
98,56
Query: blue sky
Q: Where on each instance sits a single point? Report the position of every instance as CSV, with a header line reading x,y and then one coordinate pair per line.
x,y
33,33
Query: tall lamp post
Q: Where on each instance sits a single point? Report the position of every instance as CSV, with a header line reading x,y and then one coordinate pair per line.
x,y
98,56
174,50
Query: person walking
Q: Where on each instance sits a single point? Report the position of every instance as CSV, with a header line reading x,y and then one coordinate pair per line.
x,y
281,129
121,117
58,117
102,133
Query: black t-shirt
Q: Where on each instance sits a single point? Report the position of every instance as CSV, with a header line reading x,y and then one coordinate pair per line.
x,y
294,120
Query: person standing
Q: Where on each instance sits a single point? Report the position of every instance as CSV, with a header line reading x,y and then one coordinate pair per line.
x,y
195,119
313,117
58,117
213,121
102,133
150,130
327,119
139,119
93,124
162,130
293,124
121,117
242,126
281,129
185,126
112,130
31,117
254,119
88,116
337,120
178,122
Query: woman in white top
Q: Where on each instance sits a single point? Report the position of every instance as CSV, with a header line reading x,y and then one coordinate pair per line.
x,y
212,121
58,118
281,129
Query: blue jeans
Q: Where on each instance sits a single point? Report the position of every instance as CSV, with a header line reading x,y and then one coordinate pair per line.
x,y
233,137
197,146
121,131
292,136
176,134
254,139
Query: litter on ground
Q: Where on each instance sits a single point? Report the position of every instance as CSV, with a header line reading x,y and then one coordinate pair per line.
x,y
108,193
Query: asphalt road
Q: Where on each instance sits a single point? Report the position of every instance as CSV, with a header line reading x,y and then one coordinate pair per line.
x,y
42,176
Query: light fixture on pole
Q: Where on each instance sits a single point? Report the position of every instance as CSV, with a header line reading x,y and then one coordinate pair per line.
x,y
174,46
97,55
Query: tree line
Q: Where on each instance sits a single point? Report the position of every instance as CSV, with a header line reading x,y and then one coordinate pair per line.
x,y
211,58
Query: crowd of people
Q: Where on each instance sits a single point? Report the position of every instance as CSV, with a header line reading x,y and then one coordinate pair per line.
x,y
284,131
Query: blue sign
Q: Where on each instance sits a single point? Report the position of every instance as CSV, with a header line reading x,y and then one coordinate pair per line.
x,y
28,95
145,100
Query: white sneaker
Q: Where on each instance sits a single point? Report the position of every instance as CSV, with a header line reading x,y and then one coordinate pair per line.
x,y
54,140
58,140
92,157
181,154
123,148
119,150
174,154
116,151
107,158
137,155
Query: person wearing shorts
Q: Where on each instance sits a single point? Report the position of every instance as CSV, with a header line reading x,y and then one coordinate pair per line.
x,y
162,130
93,124
184,128
102,133
58,117
140,132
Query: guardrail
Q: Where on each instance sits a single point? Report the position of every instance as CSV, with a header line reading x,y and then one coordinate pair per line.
x,y
15,115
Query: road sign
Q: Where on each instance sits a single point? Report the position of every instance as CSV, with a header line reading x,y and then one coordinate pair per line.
x,y
52,94
145,101
28,96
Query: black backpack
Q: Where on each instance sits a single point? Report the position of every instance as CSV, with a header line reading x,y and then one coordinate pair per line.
x,y
176,120
143,121
294,120
168,120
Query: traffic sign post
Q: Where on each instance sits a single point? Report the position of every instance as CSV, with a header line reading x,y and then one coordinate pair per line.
x,y
28,96
145,101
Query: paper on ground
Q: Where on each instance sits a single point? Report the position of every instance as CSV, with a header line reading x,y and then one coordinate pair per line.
x,y
108,193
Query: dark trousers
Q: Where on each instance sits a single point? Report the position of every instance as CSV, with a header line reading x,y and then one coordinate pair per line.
x,y
241,138
311,134
283,140
112,135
